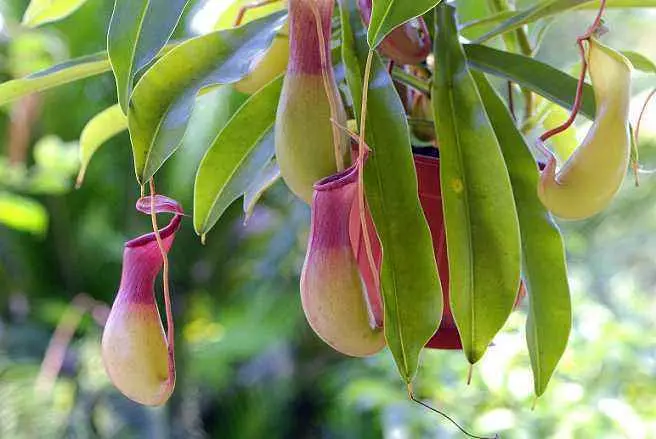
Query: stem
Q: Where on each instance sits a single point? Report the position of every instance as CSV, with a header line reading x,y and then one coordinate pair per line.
x,y
165,273
328,85
511,101
246,8
642,113
584,68
362,148
418,84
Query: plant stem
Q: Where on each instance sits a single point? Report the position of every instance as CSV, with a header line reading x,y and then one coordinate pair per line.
x,y
170,336
418,84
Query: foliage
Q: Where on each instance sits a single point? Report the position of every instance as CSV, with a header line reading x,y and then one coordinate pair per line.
x,y
248,364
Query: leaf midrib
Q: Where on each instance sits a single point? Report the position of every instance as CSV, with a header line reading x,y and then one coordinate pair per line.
x,y
470,291
392,263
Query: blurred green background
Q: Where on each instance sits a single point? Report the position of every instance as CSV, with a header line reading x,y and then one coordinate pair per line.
x,y
248,364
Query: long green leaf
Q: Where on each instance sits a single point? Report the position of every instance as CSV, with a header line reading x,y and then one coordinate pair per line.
x,y
138,30
41,12
548,8
69,71
640,62
492,19
386,15
409,280
96,132
163,98
239,152
212,111
482,231
543,79
543,253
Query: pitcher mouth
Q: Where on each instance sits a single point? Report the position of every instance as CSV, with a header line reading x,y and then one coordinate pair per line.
x,y
338,180
164,233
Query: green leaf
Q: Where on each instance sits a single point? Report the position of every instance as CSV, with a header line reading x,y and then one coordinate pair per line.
x,y
239,152
485,22
543,252
410,285
212,110
261,182
164,96
46,11
386,15
138,30
69,71
482,231
97,131
548,8
23,214
543,79
640,61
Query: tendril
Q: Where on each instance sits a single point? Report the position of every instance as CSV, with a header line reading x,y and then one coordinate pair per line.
x,y
596,24
362,149
165,273
246,8
445,416
635,165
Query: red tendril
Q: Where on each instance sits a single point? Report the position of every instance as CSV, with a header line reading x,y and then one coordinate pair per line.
x,y
170,336
254,5
579,87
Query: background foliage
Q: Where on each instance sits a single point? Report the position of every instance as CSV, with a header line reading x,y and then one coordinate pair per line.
x,y
249,366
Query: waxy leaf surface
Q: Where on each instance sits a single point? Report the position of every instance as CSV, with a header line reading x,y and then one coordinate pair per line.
x,y
63,73
138,30
482,231
163,98
387,15
410,285
543,254
546,9
239,152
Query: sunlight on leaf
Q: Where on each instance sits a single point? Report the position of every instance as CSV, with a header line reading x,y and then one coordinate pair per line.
x,y
22,214
46,11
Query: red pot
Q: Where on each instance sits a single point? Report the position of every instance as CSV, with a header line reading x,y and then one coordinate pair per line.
x,y
430,196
